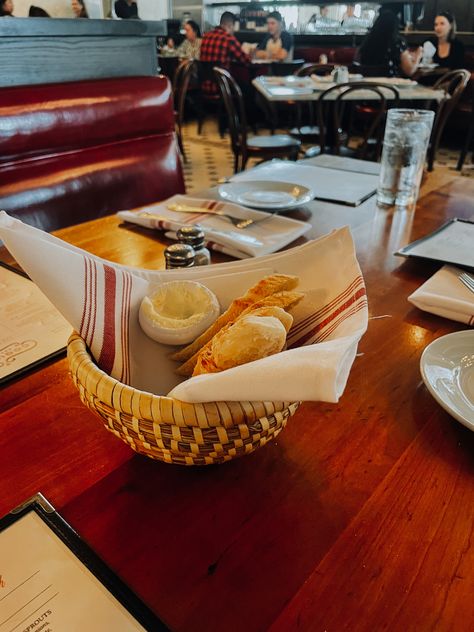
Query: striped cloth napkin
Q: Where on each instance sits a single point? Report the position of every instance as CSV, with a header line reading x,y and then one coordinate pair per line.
x,y
101,301
261,238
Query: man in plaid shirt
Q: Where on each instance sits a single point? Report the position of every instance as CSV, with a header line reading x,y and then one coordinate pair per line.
x,y
221,47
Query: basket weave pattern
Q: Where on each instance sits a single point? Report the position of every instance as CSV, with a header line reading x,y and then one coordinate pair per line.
x,y
169,430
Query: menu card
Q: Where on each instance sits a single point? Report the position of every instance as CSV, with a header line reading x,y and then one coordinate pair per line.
x,y
51,581
452,243
31,328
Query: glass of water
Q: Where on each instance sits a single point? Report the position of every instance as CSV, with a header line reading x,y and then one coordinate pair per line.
x,y
407,134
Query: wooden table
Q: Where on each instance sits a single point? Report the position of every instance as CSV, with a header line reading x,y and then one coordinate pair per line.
x,y
358,517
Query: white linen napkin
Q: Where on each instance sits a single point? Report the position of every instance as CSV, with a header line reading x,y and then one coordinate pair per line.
x,y
101,300
328,184
270,235
444,295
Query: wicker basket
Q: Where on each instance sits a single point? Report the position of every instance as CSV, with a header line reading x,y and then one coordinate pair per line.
x,y
170,430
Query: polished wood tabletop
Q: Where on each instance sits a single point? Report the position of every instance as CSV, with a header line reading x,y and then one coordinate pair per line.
x,y
358,517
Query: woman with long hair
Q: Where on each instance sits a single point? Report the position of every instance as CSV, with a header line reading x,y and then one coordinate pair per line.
x,y
384,48
449,50
6,8
191,46
79,8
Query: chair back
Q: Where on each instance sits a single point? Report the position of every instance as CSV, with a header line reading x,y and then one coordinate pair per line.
x,y
285,68
338,96
168,66
314,69
234,106
181,81
453,83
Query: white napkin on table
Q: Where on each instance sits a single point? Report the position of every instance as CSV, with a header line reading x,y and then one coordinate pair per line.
x,y
101,300
256,240
444,295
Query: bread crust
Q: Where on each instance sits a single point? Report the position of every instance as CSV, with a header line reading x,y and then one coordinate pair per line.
x,y
266,287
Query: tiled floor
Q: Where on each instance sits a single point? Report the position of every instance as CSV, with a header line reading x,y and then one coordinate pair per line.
x,y
209,157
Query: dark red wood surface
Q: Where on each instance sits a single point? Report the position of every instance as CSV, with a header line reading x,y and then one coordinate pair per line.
x,y
358,517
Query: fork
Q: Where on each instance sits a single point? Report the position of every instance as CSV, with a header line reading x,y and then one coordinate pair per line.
x,y
238,222
467,280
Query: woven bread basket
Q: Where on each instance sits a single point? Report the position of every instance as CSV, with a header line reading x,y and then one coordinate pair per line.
x,y
169,430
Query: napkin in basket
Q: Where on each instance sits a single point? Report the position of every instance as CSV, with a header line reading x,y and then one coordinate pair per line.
x,y
273,233
444,295
101,301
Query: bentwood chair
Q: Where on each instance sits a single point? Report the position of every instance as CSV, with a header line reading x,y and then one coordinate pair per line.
x,y
285,68
181,82
467,108
453,83
244,146
334,109
208,101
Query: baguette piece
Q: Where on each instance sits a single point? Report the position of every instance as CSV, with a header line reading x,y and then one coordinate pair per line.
x,y
266,287
256,335
283,300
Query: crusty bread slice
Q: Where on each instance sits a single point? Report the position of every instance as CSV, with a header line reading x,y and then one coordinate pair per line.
x,y
284,300
266,287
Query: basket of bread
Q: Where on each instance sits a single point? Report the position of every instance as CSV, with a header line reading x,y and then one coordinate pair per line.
x,y
254,326
202,365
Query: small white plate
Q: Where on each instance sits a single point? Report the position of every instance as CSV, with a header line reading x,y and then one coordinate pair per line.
x,y
290,91
447,368
266,194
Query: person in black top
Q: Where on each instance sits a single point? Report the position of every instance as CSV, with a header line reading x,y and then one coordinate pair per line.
x,y
449,50
277,45
126,9
384,50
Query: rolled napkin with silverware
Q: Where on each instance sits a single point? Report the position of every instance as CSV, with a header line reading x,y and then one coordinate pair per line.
x,y
102,302
230,228
447,294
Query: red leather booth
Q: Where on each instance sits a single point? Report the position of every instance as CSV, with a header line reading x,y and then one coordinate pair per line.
x,y
70,152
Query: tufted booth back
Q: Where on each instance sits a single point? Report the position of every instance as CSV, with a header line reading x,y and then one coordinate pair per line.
x,y
71,152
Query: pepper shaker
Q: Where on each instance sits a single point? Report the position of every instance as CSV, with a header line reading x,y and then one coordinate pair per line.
x,y
194,236
179,256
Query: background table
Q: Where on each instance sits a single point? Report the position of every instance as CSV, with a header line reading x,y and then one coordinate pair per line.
x,y
358,517
275,93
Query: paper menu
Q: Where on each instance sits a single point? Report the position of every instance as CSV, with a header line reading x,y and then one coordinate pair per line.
x,y
452,243
44,587
31,328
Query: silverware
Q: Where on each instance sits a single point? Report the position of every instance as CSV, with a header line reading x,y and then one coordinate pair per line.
x,y
238,222
247,239
467,280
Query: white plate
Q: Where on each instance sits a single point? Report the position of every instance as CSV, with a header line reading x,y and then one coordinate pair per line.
x,y
266,194
447,368
289,91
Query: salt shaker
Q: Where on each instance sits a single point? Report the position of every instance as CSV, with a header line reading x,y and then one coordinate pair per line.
x,y
194,236
179,256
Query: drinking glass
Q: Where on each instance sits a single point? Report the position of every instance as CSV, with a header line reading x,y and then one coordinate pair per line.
x,y
407,134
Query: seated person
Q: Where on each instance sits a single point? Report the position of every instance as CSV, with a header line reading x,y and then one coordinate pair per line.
x,y
6,8
277,45
221,47
126,9
384,50
79,8
169,49
37,12
191,46
449,50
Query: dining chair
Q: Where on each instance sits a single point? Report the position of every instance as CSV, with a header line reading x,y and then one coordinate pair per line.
x,y
285,68
467,108
244,146
314,69
168,66
331,109
453,83
207,102
181,82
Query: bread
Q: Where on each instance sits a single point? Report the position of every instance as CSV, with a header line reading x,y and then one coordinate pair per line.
x,y
268,286
282,300
256,335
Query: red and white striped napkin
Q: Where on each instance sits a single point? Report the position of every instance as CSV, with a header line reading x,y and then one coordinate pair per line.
x,y
101,300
